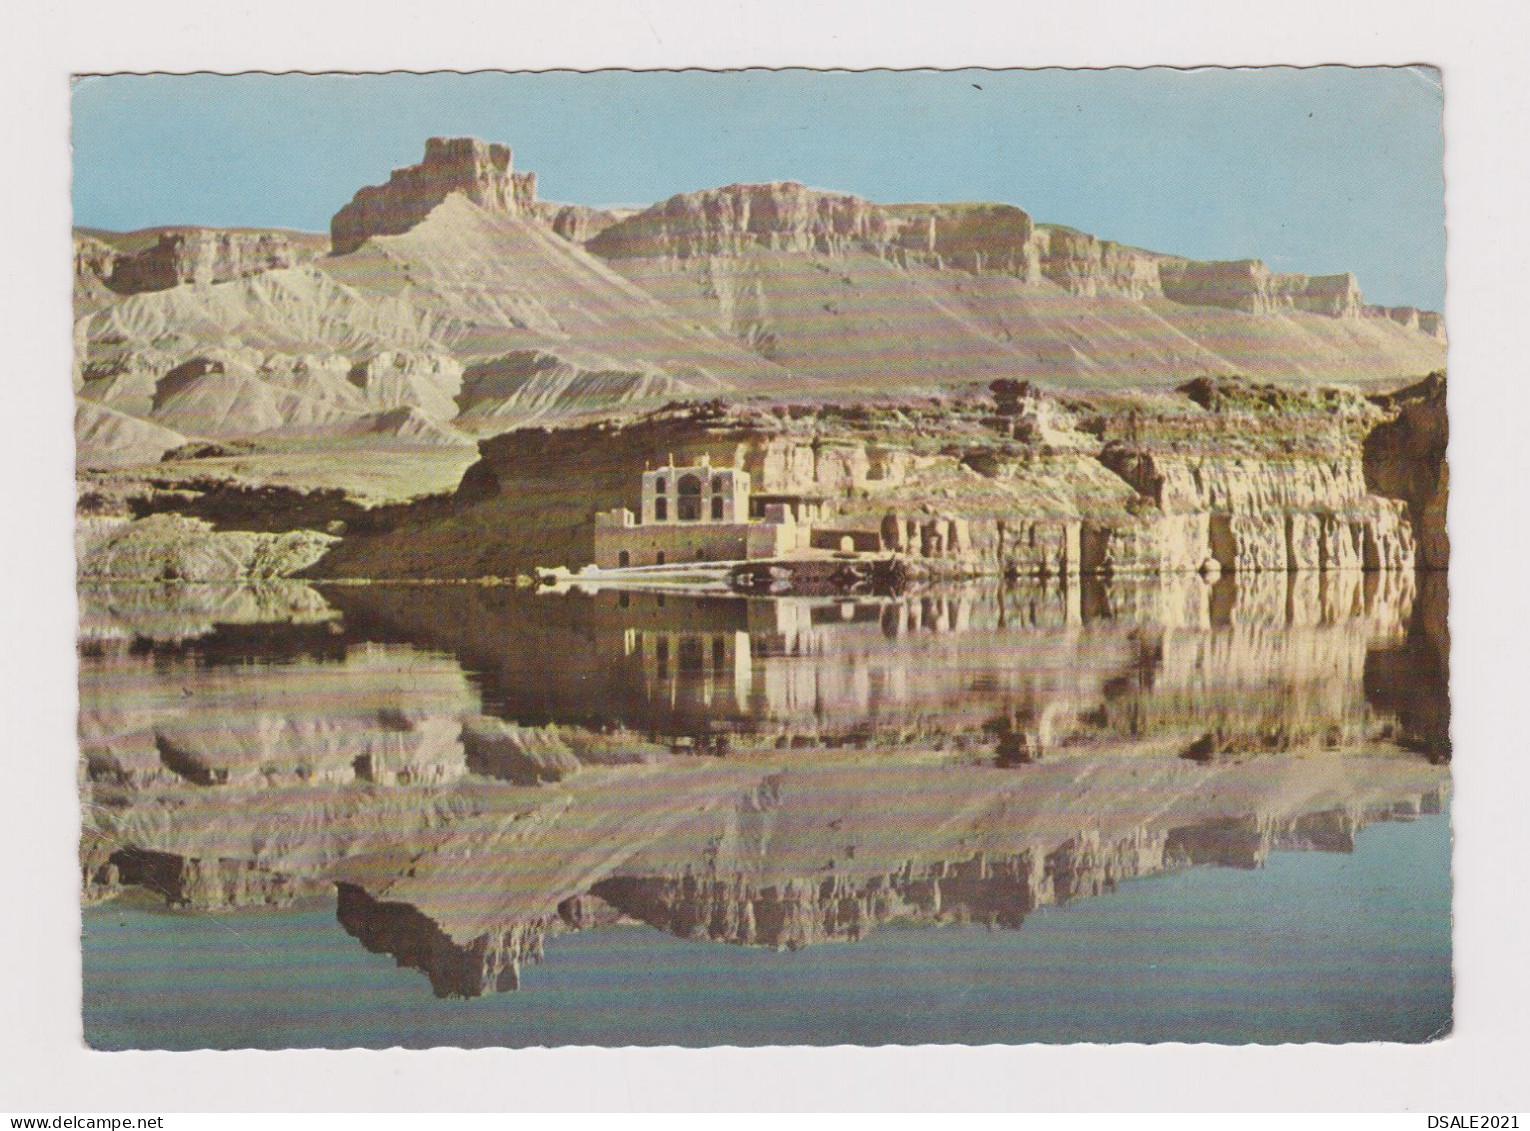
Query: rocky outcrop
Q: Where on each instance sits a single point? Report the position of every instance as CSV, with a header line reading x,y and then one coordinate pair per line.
x,y
1084,265
198,884
1432,324
524,755
767,289
1336,296
994,238
1410,317
397,379
94,261
170,547
978,238
479,171
1230,476
201,257
779,216
997,239
1405,458
104,437
579,223
1249,286
779,864
490,963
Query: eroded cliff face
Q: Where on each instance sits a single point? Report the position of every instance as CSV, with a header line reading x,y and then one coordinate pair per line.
x,y
202,257
779,216
1225,476
1084,265
179,256
578,223
1248,285
998,239
478,170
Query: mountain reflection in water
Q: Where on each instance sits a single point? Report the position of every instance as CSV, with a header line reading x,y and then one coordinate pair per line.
x,y
474,768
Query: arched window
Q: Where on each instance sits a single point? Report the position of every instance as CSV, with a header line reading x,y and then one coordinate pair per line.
x,y
689,509
717,485
661,509
624,559
660,486
659,559
717,508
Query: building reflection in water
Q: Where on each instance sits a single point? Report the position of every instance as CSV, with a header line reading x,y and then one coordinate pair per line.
x,y
1274,661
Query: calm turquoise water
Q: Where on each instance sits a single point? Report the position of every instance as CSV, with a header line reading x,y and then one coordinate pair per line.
x,y
1314,947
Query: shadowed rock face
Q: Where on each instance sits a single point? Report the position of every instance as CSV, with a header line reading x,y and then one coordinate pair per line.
x,y
1405,459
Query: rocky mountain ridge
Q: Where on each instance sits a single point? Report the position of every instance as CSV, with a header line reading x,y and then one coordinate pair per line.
x,y
977,238
766,290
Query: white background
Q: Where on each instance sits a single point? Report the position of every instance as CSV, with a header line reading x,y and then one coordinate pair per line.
x,y
1480,46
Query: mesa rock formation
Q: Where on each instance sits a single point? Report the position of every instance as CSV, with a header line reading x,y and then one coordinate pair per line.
x,y
479,171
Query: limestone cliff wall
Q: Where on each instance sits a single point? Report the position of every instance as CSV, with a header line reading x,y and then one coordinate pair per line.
x,y
1248,285
1260,481
1000,239
1410,317
1085,265
779,216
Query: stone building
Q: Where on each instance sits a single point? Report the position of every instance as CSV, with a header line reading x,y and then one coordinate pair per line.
x,y
698,513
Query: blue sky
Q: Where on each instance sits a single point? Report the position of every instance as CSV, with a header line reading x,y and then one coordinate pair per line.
x,y
1321,170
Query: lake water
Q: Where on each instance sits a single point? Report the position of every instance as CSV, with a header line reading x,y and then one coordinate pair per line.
x,y
1163,811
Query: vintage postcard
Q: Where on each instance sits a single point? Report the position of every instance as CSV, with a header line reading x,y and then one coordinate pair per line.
x,y
762,558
